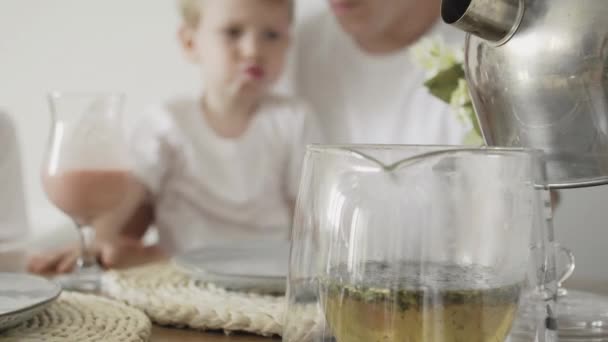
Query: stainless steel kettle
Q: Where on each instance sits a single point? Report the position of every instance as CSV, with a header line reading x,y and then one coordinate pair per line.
x,y
538,76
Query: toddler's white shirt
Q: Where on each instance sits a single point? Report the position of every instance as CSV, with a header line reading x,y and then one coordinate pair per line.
x,y
207,188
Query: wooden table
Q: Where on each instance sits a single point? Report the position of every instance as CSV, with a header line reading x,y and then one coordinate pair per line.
x,y
178,335
160,334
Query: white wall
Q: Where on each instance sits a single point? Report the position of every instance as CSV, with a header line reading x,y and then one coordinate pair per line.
x,y
83,45
130,45
582,224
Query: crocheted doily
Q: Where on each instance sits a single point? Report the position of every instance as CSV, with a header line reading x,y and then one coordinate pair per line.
x,y
171,297
82,318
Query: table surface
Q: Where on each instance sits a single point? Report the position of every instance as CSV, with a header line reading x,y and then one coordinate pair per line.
x,y
161,334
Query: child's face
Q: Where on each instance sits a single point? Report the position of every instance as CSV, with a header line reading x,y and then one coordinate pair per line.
x,y
240,44
362,18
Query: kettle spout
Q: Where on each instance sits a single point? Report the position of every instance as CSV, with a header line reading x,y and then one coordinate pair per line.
x,y
493,20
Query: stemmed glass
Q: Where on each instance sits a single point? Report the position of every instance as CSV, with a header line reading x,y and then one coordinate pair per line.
x,y
86,171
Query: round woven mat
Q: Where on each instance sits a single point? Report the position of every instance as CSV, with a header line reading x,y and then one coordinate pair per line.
x,y
83,318
170,297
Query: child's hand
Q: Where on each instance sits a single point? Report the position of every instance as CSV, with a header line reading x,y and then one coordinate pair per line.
x,y
127,252
58,261
118,253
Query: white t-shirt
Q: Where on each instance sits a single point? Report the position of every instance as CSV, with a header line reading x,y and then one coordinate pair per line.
x,y
363,98
207,188
13,217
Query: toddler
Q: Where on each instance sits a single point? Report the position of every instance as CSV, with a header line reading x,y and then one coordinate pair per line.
x,y
224,165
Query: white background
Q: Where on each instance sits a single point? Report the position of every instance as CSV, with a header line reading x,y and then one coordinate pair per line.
x,y
130,45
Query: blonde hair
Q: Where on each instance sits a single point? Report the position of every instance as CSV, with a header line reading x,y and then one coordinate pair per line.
x,y
191,10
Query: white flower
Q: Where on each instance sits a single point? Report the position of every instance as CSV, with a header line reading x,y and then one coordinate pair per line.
x,y
463,114
434,55
460,100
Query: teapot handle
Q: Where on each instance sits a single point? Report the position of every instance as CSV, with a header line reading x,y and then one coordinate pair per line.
x,y
567,273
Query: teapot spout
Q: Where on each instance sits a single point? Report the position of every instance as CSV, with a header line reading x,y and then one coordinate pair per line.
x,y
493,20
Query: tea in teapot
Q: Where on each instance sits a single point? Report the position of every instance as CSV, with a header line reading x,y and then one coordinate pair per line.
x,y
420,302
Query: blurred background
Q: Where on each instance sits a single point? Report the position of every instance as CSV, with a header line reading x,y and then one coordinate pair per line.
x,y
130,46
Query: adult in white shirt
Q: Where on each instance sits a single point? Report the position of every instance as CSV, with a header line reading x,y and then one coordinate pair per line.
x,y
13,219
354,68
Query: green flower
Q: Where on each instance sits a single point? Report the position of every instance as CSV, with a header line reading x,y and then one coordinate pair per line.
x,y
447,82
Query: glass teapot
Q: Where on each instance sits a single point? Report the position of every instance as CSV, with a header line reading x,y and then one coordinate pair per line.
x,y
417,243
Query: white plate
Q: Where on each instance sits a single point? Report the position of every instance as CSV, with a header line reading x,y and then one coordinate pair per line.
x,y
259,266
22,296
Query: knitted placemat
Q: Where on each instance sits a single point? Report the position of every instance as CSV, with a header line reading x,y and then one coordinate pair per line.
x,y
170,297
82,318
